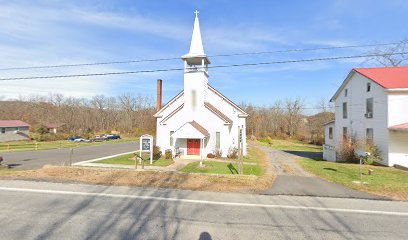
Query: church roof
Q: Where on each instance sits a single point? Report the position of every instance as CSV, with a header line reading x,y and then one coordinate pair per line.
x,y
243,113
200,128
172,113
218,112
191,130
159,113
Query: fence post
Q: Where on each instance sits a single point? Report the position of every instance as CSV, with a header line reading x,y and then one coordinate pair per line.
x,y
36,146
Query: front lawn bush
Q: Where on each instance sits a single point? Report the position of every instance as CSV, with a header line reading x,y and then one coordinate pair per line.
x,y
168,154
156,152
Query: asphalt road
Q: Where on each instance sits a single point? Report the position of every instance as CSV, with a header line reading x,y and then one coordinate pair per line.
x,y
293,180
37,210
37,159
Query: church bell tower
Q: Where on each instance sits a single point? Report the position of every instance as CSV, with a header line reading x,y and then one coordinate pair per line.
x,y
195,73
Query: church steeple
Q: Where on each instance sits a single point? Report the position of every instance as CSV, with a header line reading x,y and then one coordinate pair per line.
x,y
196,47
195,75
196,56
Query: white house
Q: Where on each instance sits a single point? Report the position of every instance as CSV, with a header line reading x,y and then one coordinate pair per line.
x,y
372,105
199,119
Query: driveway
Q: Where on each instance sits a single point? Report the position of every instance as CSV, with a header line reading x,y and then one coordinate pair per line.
x,y
37,159
293,180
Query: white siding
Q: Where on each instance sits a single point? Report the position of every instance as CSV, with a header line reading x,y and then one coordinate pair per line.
x,y
207,119
397,108
329,149
398,114
356,122
398,148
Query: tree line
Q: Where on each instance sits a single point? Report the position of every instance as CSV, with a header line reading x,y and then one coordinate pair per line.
x,y
128,113
132,114
287,119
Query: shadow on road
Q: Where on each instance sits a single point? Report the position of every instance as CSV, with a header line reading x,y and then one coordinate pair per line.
x,y
305,154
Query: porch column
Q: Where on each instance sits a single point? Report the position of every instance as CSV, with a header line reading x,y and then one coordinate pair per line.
x,y
201,152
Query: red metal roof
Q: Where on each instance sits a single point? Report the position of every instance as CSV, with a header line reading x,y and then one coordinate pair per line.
x,y
387,77
400,126
54,125
13,123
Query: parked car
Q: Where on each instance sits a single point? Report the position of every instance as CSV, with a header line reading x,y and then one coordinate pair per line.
x,y
81,140
98,138
73,138
112,136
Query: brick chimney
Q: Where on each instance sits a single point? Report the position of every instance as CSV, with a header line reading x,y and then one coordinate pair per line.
x,y
159,94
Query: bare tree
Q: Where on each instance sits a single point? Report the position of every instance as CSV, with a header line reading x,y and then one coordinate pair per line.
x,y
293,115
396,55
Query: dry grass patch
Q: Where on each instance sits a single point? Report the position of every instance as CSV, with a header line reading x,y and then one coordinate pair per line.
x,y
190,181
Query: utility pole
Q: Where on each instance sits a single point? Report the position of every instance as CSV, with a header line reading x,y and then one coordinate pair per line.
x,y
239,152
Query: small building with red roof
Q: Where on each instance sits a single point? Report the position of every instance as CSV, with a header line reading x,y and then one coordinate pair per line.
x,y
54,127
371,106
13,130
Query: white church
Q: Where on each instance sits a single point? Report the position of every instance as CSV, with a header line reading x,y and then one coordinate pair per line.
x,y
199,120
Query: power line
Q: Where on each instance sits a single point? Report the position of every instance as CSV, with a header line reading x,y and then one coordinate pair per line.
x,y
180,69
211,56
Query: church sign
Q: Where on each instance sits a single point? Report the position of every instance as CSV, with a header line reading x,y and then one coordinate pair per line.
x,y
146,145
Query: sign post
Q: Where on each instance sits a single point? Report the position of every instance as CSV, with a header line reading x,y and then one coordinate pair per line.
x,y
146,145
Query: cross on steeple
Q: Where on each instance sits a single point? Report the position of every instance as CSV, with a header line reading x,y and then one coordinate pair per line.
x,y
196,13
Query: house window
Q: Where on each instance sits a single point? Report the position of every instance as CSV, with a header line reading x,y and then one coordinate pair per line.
x,y
3,130
345,92
369,135
330,133
344,132
345,110
217,140
369,108
171,138
368,87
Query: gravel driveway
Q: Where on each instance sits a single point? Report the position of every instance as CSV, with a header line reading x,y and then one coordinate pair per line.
x,y
293,180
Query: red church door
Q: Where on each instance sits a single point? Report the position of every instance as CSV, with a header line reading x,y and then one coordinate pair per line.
x,y
193,146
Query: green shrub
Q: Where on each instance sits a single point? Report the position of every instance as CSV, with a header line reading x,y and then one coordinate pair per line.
x,y
375,154
267,140
156,152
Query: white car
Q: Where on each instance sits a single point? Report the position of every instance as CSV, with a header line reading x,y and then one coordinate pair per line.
x,y
81,140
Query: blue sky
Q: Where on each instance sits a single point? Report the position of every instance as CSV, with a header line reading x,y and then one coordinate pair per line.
x,y
45,32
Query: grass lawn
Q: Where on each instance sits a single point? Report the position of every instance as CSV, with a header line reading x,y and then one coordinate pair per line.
x,y
253,156
32,145
124,159
384,180
221,168
292,145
